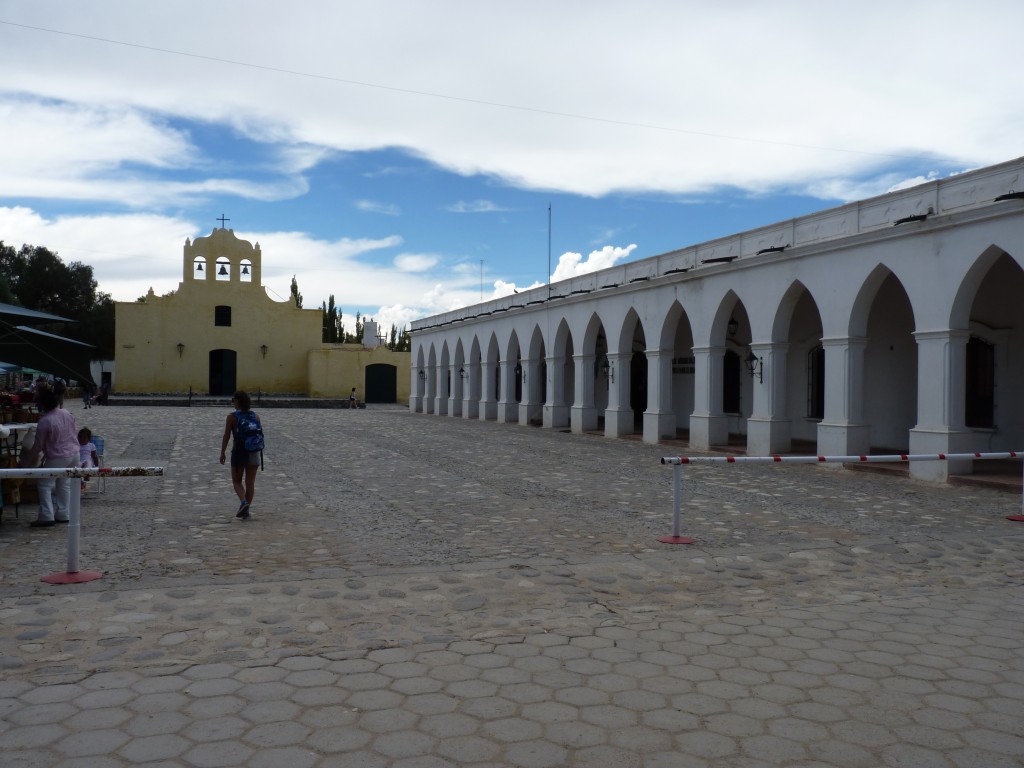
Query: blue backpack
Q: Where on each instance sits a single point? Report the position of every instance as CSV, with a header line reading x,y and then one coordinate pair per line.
x,y
248,432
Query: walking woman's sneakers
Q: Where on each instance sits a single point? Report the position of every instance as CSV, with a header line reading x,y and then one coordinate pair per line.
x,y
243,510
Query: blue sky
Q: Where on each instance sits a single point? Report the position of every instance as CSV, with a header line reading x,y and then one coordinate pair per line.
x,y
387,153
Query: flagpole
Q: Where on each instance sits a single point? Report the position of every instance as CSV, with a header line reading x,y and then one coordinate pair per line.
x,y
549,250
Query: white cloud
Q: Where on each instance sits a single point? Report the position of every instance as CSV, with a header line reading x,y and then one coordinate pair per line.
x,y
131,253
477,206
398,315
572,264
815,109
371,206
415,262
503,288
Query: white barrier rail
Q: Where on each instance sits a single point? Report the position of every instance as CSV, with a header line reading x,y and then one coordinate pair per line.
x,y
73,575
677,463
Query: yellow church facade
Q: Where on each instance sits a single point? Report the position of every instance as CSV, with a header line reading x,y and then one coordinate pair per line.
x,y
221,331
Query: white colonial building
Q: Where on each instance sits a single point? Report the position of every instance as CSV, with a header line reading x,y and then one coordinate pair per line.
x,y
891,324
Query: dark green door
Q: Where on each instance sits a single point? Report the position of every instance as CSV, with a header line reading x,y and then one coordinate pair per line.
x,y
223,371
381,383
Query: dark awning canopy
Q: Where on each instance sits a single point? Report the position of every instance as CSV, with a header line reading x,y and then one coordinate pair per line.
x,y
12,313
26,347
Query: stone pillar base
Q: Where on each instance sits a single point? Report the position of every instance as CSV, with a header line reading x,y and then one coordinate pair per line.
x,y
556,416
767,437
454,407
530,413
441,406
706,431
583,419
940,441
659,425
470,409
843,440
489,410
415,404
508,412
618,422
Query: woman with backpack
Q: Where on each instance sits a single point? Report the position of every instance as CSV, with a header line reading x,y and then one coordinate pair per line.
x,y
246,451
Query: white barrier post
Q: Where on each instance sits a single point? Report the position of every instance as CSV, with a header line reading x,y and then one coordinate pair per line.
x,y
73,575
1019,518
677,512
675,538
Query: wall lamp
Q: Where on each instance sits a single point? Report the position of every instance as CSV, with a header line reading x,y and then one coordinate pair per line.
x,y
519,368
423,375
263,350
608,369
732,326
755,366
181,348
462,373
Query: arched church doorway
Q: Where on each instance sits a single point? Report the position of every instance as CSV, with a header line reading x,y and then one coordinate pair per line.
x,y
223,371
381,383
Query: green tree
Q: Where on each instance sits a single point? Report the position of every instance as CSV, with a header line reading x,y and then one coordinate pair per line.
x,y
296,296
331,322
356,337
404,342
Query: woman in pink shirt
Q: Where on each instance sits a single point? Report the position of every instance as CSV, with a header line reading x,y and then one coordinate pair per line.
x,y
57,442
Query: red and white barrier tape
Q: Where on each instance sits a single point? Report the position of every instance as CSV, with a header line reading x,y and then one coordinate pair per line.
x,y
883,458
894,458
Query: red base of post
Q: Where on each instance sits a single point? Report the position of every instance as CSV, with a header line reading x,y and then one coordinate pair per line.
x,y
72,578
1016,518
676,540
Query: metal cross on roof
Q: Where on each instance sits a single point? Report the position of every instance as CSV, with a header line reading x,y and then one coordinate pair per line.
x,y
222,220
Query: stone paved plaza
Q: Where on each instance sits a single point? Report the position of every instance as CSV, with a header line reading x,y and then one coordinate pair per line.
x,y
418,592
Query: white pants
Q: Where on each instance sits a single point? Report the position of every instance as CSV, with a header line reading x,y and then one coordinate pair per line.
x,y
62,502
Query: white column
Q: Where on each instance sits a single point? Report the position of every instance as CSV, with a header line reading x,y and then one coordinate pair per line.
x,y
659,418
531,407
430,389
583,413
455,396
768,428
941,389
416,388
508,408
843,431
488,405
441,390
471,392
708,423
556,412
618,417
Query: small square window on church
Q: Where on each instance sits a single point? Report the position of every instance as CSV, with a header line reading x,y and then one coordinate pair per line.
x,y
222,315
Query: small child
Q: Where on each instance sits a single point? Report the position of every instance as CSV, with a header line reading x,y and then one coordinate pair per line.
x,y
86,451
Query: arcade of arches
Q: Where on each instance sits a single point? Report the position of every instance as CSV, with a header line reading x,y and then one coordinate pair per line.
x,y
889,325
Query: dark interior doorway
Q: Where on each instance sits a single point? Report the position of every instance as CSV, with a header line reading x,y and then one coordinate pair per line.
x,y
381,383
223,371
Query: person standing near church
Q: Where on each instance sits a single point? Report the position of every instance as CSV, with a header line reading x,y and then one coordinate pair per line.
x,y
244,463
57,442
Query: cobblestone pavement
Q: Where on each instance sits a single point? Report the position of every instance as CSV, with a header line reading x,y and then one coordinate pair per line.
x,y
416,592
